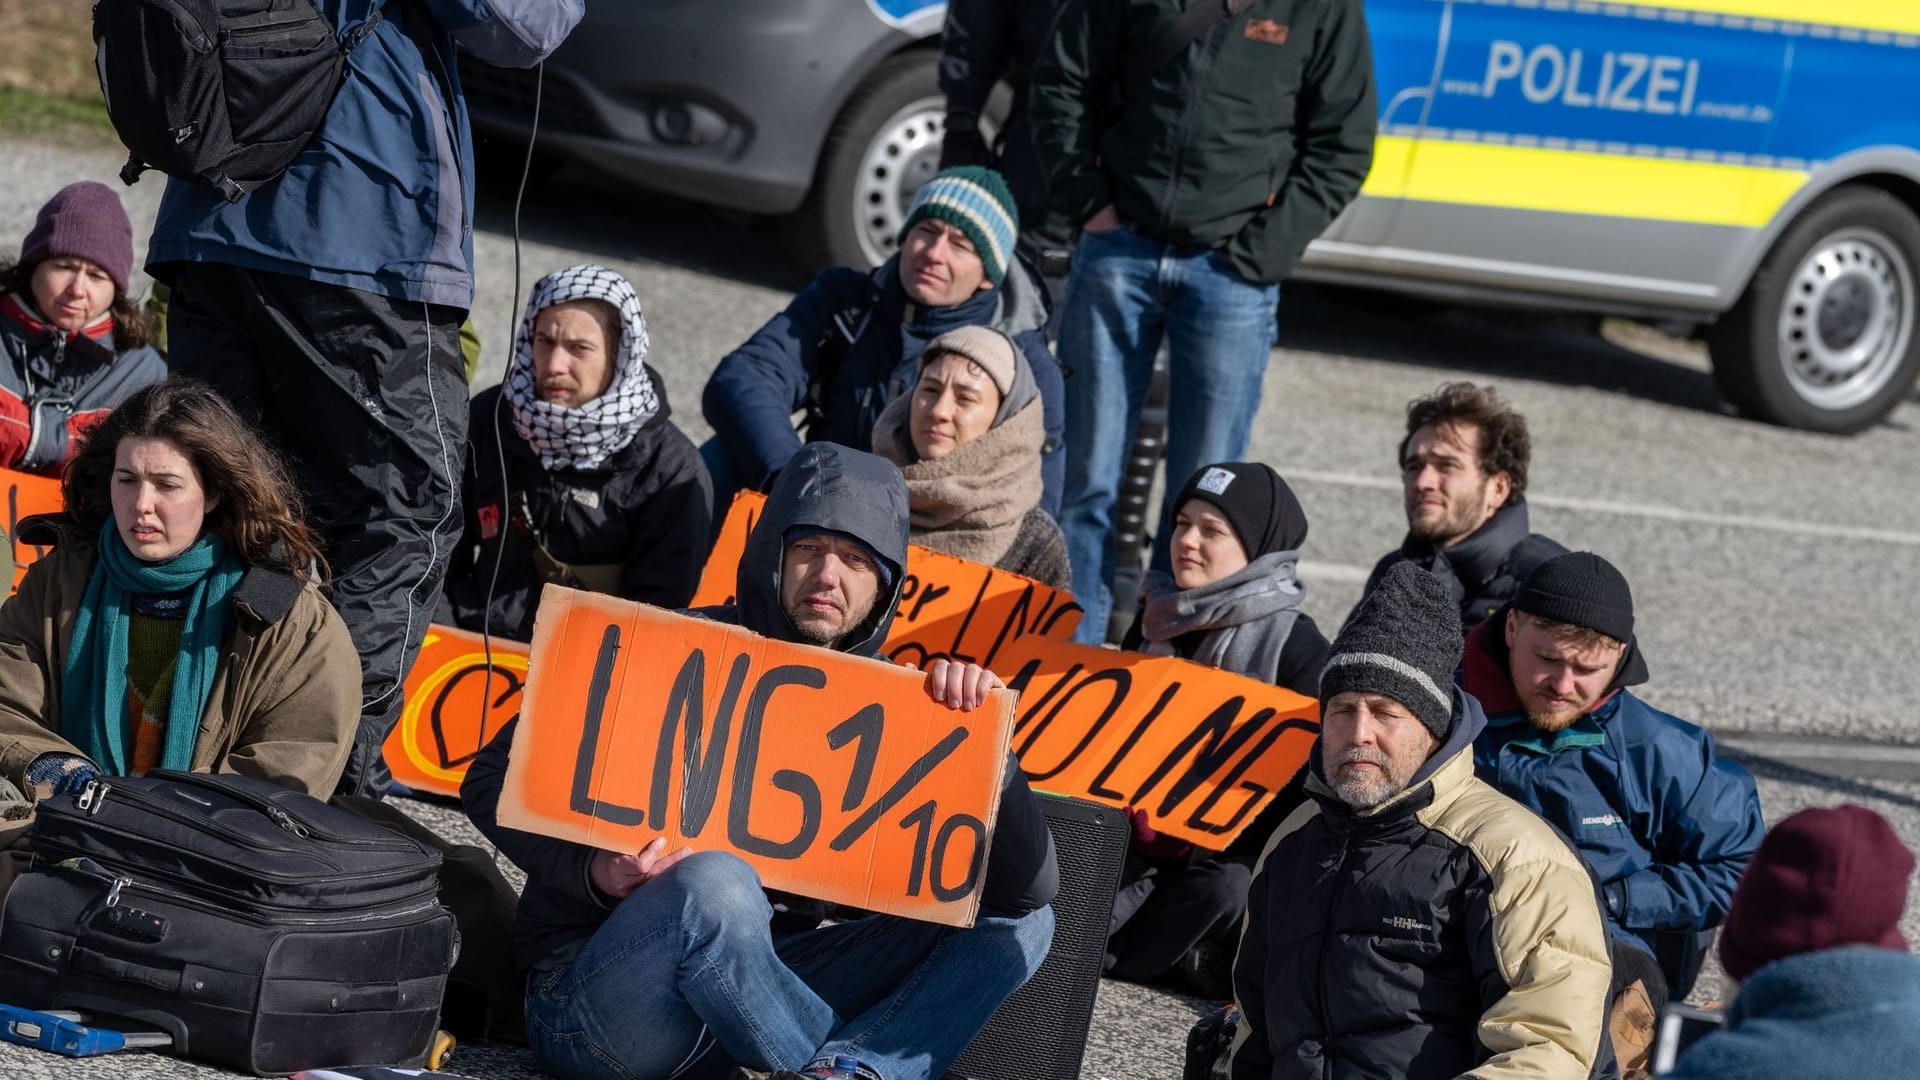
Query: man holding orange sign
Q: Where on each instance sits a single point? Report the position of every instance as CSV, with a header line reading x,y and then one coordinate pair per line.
x,y
666,962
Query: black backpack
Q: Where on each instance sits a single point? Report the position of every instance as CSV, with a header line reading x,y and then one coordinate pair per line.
x,y
225,92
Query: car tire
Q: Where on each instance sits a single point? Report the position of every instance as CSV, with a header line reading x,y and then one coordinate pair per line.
x,y
1825,337
884,144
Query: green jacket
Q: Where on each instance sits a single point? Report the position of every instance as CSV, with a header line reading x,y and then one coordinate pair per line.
x,y
1251,140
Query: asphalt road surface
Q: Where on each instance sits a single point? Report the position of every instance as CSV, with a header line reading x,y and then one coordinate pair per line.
x,y
1774,571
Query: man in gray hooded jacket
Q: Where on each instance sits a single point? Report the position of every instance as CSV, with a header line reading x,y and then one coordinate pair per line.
x,y
676,964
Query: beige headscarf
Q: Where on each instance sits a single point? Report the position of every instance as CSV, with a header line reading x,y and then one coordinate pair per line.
x,y
970,503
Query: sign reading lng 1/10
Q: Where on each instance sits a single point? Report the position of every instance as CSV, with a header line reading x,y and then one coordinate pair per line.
x,y
835,777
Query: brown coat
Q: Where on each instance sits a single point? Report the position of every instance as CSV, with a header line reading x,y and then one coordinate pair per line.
x,y
286,696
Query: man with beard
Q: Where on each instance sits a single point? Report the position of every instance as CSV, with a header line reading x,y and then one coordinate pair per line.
x,y
659,963
1411,921
1665,824
1463,464
850,343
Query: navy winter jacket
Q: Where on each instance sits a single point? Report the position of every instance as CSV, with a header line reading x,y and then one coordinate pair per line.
x,y
858,336
1666,825
1841,1014
382,199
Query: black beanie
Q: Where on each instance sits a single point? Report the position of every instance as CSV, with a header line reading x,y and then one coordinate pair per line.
x,y
1582,589
1262,509
1402,641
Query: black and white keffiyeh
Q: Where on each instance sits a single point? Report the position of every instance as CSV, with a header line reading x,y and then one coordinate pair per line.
x,y
583,437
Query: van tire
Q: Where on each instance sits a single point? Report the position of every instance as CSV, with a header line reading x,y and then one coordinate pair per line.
x,y
899,103
1825,337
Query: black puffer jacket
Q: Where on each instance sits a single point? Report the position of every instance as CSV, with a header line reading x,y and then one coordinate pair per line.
x,y
648,511
825,486
1483,571
1447,932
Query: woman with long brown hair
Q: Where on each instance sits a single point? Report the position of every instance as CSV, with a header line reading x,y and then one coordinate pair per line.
x,y
73,341
178,621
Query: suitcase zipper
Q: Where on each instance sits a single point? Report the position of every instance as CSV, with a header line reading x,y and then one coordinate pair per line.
x,y
91,808
53,845
116,884
285,819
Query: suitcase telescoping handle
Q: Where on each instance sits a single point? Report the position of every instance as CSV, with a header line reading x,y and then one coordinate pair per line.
x,y
67,1033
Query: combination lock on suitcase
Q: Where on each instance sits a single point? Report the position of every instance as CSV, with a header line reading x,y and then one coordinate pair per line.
x,y
260,928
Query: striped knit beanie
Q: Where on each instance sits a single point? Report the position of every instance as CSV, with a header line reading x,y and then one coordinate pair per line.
x,y
976,201
1403,641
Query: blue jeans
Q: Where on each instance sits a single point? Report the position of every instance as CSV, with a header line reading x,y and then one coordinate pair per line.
x,y
1125,293
685,979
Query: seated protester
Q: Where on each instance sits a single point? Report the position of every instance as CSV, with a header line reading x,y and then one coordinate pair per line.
x,y
178,621
76,344
1412,922
1665,824
1232,602
666,964
1827,987
601,490
968,437
1463,464
848,343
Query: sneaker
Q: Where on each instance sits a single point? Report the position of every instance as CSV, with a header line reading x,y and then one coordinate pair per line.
x,y
1208,969
840,1067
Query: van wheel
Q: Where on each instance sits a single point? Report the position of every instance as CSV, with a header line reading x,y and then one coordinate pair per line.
x,y
883,146
1824,337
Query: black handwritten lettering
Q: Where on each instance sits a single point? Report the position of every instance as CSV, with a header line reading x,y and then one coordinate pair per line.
x,y
901,788
864,728
699,772
1198,819
1122,681
1099,788
948,894
791,781
581,799
927,596
1222,740
436,715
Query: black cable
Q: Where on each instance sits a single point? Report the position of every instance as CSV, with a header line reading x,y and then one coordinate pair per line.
x,y
499,447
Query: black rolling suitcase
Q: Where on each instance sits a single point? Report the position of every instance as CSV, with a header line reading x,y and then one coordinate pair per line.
x,y
262,929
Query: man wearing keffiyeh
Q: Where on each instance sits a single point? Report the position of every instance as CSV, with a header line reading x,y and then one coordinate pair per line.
x,y
575,473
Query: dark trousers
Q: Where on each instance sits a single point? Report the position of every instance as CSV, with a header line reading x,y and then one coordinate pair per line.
x,y
1163,910
366,396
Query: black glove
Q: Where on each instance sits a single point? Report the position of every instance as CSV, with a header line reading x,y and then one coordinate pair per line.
x,y
964,145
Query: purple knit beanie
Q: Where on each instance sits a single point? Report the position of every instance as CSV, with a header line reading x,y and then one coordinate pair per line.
x,y
84,220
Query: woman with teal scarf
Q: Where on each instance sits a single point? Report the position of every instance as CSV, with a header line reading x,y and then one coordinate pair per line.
x,y
178,621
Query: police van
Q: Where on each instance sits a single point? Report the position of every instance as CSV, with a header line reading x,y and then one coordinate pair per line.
x,y
1748,166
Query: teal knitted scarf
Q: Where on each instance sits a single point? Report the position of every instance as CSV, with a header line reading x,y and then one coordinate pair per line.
x,y
93,690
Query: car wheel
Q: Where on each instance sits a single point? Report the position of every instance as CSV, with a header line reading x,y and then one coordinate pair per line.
x,y
883,146
1824,338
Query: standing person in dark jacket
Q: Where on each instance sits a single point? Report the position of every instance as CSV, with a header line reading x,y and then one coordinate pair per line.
x,y
1412,922
985,42
1665,823
1463,464
850,342
1828,987
1232,601
1198,166
327,305
602,491
657,963
73,344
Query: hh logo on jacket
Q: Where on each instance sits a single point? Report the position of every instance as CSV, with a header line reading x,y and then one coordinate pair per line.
x,y
1267,30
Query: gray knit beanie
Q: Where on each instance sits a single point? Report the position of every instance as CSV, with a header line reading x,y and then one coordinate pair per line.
x,y
1403,641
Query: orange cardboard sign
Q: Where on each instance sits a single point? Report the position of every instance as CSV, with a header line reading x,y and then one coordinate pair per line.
x,y
949,607
834,776
1201,750
27,495
453,707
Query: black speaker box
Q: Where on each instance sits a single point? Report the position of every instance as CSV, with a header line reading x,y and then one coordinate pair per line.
x,y
1040,1033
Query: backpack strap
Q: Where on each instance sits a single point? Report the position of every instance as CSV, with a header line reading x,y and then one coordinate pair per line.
x,y
1139,64
843,329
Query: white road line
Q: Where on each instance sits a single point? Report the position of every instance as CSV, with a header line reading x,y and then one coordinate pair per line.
x,y
1651,511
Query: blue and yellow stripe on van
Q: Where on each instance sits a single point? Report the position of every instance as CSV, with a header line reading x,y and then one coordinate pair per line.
x,y
1713,112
